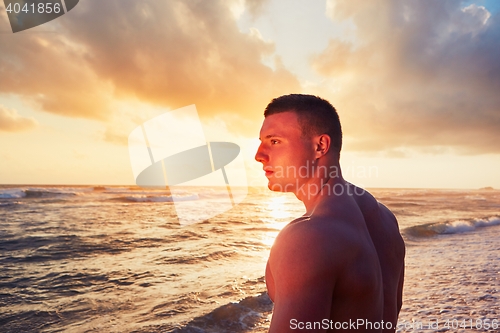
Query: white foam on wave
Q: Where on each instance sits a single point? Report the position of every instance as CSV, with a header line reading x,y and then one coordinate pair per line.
x,y
247,314
167,198
16,193
458,227
453,227
12,193
461,226
475,197
488,222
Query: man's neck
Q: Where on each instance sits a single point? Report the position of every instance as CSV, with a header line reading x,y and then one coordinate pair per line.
x,y
312,192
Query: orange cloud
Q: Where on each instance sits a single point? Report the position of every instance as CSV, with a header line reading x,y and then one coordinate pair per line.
x,y
11,121
49,69
418,74
170,53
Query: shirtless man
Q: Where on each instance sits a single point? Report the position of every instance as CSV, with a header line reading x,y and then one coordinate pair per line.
x,y
341,265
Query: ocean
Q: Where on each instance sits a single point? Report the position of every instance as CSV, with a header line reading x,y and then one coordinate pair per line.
x,y
115,259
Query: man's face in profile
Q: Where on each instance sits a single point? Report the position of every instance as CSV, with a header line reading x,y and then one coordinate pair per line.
x,y
285,154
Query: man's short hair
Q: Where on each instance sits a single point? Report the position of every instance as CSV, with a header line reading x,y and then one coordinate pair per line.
x,y
316,115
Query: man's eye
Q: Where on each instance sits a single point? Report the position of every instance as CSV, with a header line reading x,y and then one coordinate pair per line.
x,y
273,142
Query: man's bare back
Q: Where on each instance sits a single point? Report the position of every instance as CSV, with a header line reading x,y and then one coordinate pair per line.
x,y
331,254
384,232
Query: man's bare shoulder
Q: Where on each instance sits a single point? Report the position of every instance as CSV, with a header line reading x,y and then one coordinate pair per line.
x,y
382,226
371,207
365,200
303,232
316,238
315,228
387,214
307,267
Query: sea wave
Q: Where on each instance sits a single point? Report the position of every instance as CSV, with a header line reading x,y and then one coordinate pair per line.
x,y
155,198
117,189
99,188
451,227
34,192
37,193
234,317
142,191
10,203
12,193
194,259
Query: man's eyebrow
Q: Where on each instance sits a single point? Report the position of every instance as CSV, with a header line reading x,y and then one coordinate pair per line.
x,y
271,136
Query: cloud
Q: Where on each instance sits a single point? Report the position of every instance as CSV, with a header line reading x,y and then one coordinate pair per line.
x,y
50,69
255,7
10,121
418,74
168,53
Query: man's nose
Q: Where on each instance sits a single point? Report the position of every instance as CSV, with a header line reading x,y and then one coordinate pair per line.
x,y
261,156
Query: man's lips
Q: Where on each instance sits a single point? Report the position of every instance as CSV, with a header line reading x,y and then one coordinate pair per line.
x,y
268,171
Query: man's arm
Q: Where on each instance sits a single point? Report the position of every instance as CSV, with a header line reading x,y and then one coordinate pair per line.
x,y
400,289
399,251
304,278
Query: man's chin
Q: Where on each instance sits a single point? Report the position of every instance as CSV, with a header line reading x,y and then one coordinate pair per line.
x,y
276,187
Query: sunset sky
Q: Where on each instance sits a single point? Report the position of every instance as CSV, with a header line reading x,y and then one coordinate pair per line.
x,y
416,84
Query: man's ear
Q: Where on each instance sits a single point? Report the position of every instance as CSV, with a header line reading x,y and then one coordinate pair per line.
x,y
322,144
